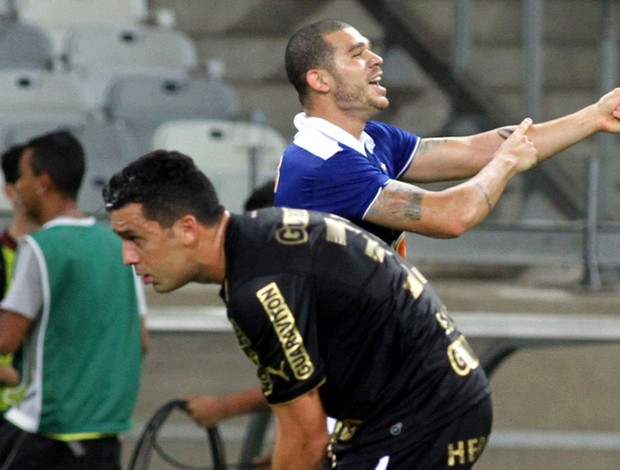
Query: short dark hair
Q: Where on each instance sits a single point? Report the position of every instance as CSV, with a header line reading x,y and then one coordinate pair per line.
x,y
10,163
168,185
307,50
261,197
60,155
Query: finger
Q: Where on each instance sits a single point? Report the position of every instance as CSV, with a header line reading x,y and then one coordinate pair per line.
x,y
523,127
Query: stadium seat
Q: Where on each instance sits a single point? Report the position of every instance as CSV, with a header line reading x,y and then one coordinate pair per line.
x,y
57,16
236,156
31,96
34,102
100,55
24,46
108,149
75,12
143,103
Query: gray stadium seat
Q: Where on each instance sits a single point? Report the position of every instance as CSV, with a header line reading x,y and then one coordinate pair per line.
x,y
56,16
143,103
24,46
34,102
108,149
73,12
100,55
236,156
39,99
25,93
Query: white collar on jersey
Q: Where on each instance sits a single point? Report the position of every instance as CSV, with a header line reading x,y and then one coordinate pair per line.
x,y
75,221
305,124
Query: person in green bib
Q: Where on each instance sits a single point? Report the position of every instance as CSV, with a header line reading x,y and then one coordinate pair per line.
x,y
75,313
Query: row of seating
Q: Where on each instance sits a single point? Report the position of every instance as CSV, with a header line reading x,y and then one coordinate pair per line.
x,y
63,12
98,55
237,156
138,101
124,89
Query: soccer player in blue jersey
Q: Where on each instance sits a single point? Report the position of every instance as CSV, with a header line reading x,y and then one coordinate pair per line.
x,y
342,162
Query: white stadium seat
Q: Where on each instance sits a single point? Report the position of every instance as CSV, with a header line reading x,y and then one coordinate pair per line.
x,y
56,17
101,55
236,156
143,103
24,46
74,12
28,95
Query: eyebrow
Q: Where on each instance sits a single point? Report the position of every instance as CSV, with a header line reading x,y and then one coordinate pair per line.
x,y
359,45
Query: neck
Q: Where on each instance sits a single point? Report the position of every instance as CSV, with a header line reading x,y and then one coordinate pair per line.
x,y
22,225
213,251
348,120
59,206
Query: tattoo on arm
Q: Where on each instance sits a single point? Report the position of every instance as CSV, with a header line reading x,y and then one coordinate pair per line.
x,y
428,144
505,133
485,194
413,210
401,202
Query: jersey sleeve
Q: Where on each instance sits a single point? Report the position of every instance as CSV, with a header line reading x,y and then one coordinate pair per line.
x,y
276,328
347,185
25,295
398,144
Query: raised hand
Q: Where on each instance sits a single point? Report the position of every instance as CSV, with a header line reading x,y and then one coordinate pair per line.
x,y
608,108
520,147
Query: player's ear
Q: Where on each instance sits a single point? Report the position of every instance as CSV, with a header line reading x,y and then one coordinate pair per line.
x,y
318,80
187,229
43,183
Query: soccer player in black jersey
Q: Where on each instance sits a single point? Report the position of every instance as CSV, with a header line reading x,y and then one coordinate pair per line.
x,y
336,322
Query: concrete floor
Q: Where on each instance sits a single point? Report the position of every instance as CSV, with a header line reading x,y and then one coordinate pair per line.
x,y
555,408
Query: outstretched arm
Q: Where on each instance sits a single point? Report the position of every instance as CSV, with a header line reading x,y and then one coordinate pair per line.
x,y
209,410
452,158
451,212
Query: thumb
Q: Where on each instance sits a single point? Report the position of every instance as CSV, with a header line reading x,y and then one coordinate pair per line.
x,y
523,127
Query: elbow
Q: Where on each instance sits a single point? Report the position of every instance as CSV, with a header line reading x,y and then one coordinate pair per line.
x,y
307,454
455,228
452,227
316,450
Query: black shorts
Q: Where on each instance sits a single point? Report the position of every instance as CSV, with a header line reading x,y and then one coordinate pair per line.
x,y
20,450
456,446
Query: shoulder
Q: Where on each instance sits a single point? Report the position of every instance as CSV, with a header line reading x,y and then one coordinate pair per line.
x,y
382,129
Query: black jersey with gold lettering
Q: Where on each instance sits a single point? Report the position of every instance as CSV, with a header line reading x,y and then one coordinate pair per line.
x,y
316,302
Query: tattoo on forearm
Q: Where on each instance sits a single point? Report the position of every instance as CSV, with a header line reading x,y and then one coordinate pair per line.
x,y
407,205
413,210
401,202
485,194
505,133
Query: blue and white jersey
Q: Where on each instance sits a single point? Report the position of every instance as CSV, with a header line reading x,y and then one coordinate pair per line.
x,y
327,169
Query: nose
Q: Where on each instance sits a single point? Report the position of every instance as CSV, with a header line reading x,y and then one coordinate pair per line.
x,y
130,254
375,59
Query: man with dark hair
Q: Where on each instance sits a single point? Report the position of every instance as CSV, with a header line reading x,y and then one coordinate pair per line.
x,y
20,225
343,162
73,312
336,322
